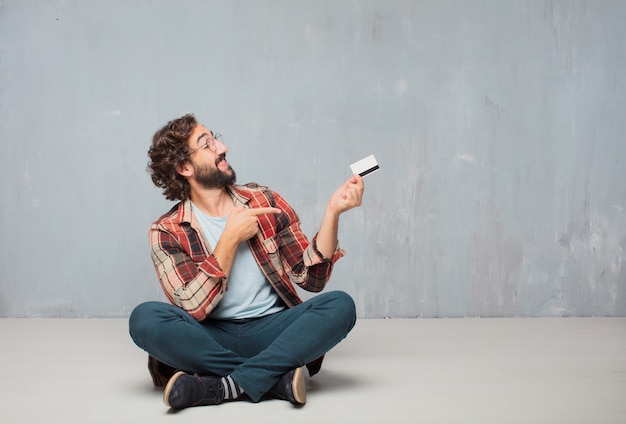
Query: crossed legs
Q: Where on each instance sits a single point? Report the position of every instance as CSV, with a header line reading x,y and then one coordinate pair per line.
x,y
255,353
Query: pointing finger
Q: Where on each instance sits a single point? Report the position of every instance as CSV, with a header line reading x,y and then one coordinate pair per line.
x,y
262,211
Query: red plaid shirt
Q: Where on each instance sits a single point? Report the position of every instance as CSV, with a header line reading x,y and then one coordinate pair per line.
x,y
191,275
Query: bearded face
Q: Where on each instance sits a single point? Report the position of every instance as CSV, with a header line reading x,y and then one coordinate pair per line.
x,y
212,177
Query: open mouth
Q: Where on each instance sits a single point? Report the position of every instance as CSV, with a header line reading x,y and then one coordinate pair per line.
x,y
220,158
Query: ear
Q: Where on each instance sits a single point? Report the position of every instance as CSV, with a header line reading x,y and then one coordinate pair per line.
x,y
186,170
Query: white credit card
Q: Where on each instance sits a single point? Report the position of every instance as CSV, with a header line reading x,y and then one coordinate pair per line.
x,y
365,166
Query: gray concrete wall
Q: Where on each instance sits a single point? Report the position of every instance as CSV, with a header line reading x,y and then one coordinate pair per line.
x,y
499,127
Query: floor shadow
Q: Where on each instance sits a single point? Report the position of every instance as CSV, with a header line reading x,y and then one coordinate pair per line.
x,y
329,381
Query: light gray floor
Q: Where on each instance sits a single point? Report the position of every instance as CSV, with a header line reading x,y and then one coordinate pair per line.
x,y
533,370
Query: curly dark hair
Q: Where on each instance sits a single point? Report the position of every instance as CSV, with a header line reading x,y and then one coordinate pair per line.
x,y
169,151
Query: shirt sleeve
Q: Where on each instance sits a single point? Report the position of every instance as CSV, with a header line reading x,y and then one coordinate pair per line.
x,y
195,284
302,261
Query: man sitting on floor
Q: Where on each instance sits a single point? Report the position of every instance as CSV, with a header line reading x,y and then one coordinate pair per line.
x,y
227,257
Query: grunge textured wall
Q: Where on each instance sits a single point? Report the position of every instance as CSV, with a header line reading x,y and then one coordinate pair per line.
x,y
499,128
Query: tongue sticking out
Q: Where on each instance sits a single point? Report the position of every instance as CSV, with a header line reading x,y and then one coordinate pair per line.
x,y
221,162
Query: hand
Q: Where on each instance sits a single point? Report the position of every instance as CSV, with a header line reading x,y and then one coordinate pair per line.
x,y
243,223
348,196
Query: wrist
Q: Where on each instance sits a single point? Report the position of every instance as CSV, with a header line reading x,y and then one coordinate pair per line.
x,y
332,213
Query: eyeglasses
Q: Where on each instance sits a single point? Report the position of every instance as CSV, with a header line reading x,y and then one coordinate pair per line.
x,y
210,143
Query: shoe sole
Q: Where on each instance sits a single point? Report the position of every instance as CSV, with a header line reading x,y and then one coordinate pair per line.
x,y
168,387
299,387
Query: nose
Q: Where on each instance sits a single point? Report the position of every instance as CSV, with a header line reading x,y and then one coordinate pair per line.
x,y
220,147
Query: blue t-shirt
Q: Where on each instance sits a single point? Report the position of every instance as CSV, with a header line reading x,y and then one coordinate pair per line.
x,y
249,294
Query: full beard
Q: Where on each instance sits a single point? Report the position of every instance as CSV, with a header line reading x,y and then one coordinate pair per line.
x,y
214,178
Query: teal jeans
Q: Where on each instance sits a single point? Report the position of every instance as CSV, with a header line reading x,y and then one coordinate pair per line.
x,y
254,352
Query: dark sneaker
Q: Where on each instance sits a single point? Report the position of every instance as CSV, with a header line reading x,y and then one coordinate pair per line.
x,y
291,387
185,390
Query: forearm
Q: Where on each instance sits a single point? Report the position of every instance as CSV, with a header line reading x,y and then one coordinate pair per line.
x,y
224,253
346,197
327,234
